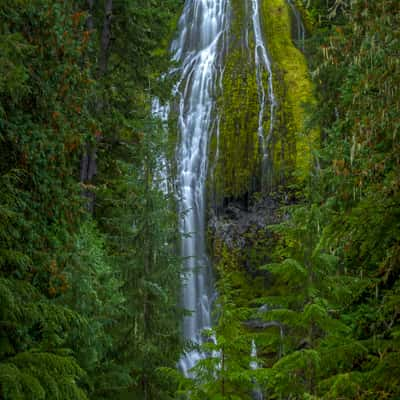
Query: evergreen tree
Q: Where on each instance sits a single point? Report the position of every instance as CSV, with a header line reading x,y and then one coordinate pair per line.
x,y
73,103
338,311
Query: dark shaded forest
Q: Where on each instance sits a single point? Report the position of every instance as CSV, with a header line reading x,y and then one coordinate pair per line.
x,y
89,273
90,266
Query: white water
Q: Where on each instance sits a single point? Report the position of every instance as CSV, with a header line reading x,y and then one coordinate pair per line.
x,y
299,26
253,362
257,393
198,51
263,65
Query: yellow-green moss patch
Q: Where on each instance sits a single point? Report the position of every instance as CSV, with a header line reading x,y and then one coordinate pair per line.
x,y
294,87
239,154
237,172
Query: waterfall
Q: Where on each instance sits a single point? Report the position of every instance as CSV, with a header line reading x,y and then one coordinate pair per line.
x,y
197,50
257,393
263,64
300,32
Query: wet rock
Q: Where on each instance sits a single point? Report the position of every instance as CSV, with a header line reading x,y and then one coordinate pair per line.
x,y
245,230
256,324
234,223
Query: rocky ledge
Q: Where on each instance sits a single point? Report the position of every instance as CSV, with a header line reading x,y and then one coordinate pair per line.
x,y
247,230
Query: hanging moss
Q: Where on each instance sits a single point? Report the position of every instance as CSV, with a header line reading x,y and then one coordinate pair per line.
x,y
237,169
231,263
236,172
238,162
291,145
309,19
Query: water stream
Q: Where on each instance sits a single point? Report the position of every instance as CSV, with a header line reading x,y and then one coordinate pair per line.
x,y
257,393
299,33
263,65
198,51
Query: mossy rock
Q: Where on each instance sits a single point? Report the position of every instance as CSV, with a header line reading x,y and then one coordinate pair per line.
x,y
294,90
237,171
239,154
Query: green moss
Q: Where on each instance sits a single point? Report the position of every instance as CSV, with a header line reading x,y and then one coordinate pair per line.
x,y
237,171
239,155
309,19
230,264
291,145
238,166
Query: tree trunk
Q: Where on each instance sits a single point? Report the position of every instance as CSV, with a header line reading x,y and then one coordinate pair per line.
x,y
90,21
105,37
88,161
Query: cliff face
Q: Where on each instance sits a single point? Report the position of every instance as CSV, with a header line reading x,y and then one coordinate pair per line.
x,y
259,146
259,150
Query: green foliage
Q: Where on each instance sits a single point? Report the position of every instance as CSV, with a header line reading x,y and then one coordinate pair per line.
x,y
226,373
74,293
142,234
138,219
330,305
34,362
40,133
95,292
336,283
35,375
39,92
362,153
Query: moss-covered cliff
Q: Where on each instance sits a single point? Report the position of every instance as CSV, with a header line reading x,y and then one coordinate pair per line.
x,y
237,171
236,168
291,151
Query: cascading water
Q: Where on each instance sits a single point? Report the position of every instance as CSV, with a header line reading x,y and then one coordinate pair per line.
x,y
299,33
161,111
198,51
263,64
257,393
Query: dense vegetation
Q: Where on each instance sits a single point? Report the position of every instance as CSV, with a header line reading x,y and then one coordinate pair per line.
x,y
89,279
89,273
